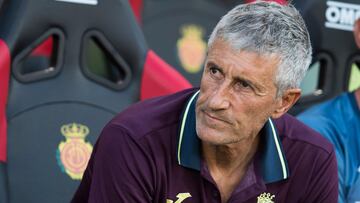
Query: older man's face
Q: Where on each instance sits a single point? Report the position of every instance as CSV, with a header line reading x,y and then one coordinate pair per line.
x,y
237,94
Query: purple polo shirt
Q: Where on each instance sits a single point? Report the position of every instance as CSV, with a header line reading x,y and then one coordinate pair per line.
x,y
151,153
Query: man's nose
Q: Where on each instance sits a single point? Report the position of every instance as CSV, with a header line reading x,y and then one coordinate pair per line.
x,y
219,100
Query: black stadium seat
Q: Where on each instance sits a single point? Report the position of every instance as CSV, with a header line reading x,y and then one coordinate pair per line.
x,y
3,183
178,30
330,24
52,108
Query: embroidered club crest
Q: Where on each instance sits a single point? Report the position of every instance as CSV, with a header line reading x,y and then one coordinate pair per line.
x,y
191,48
265,198
74,154
181,197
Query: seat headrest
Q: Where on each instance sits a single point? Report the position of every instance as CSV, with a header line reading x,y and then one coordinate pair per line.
x,y
25,20
330,24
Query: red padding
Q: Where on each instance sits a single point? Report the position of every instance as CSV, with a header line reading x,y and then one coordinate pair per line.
x,y
137,6
44,49
159,78
4,89
282,2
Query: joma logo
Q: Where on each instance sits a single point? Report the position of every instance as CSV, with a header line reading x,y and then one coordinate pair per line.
x,y
181,197
341,16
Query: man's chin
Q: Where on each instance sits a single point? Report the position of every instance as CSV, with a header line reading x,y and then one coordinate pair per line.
x,y
211,134
213,139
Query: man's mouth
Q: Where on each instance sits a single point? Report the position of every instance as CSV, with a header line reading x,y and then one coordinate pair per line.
x,y
215,118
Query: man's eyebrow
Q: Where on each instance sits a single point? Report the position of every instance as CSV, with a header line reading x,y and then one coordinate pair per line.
x,y
257,88
213,64
241,79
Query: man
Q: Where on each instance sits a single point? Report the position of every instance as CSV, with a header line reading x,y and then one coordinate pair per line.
x,y
339,121
229,141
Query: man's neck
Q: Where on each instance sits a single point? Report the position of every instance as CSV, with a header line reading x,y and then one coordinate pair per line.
x,y
230,157
357,96
228,163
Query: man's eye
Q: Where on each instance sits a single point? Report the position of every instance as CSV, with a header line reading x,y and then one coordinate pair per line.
x,y
244,84
214,71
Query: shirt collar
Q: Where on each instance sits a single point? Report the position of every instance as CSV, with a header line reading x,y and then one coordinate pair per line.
x,y
273,162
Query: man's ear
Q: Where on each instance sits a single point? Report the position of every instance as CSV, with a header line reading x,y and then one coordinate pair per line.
x,y
285,102
357,32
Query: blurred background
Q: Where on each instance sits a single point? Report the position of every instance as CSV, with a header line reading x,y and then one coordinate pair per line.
x,y
68,66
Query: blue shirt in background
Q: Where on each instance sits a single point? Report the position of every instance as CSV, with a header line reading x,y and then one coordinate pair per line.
x,y
339,121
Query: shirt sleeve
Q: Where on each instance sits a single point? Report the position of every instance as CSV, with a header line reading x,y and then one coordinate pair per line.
x,y
119,170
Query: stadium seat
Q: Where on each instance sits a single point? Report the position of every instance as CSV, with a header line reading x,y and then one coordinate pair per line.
x,y
178,31
53,107
330,24
3,179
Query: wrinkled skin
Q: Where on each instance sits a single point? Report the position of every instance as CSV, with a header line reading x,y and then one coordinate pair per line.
x,y
237,95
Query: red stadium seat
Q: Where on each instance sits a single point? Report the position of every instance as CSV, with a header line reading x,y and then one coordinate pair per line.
x,y
54,105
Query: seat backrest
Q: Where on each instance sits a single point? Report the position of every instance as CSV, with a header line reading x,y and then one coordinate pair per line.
x,y
3,184
330,24
178,31
54,114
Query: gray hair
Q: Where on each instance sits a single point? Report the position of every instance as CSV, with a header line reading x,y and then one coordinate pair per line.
x,y
269,28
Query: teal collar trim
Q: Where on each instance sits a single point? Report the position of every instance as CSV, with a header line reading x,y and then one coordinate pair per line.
x,y
273,162
189,144
274,166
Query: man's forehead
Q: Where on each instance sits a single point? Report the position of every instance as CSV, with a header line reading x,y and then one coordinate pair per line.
x,y
222,52
220,45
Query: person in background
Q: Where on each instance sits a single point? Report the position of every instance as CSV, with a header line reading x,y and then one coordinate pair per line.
x,y
229,141
338,120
